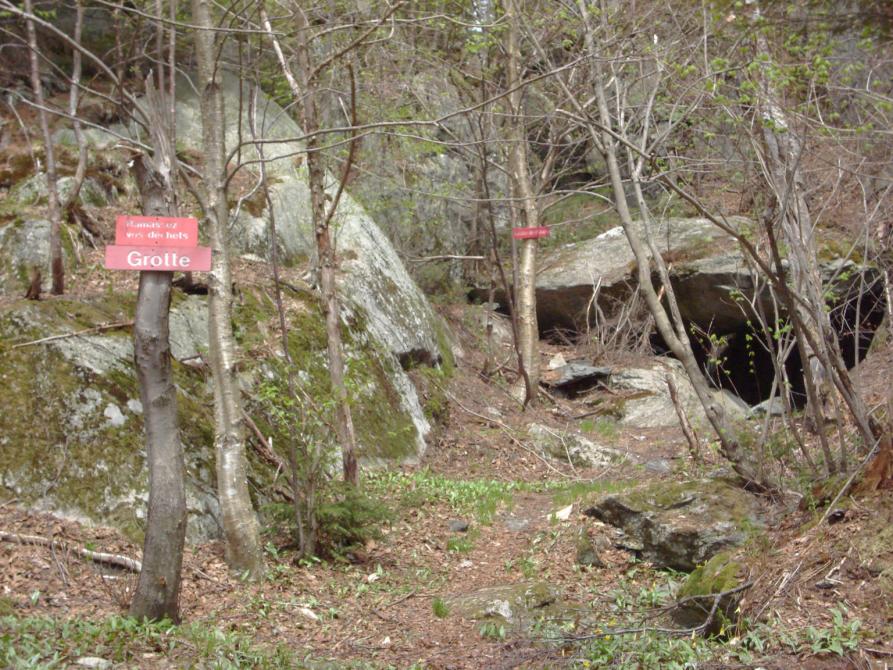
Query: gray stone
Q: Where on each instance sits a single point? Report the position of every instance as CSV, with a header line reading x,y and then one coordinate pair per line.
x,y
189,327
659,466
578,372
24,245
516,605
649,404
680,525
517,524
573,448
114,414
587,554
774,407
569,275
458,526
84,459
33,191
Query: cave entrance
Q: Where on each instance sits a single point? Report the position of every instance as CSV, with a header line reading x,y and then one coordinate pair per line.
x,y
740,359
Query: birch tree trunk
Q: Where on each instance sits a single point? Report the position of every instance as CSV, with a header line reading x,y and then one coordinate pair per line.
x,y
523,192
240,527
782,153
57,269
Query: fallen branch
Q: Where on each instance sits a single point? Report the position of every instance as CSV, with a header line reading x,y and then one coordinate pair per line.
x,y
446,257
116,560
505,429
695,630
86,331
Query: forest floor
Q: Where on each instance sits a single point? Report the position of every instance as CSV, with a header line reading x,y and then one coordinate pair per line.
x,y
395,603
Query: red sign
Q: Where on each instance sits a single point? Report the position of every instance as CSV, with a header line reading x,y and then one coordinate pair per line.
x,y
160,231
157,244
182,259
529,233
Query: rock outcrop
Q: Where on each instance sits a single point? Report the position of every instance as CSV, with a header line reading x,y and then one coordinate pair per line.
x,y
373,280
680,525
71,433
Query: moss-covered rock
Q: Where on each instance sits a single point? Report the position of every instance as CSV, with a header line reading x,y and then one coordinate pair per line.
x,y
720,575
680,525
516,605
71,431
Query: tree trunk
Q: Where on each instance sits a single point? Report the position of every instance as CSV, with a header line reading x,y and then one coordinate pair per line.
x,y
57,269
157,593
523,191
240,527
305,93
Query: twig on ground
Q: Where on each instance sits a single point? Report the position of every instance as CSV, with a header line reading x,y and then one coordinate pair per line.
x,y
116,560
505,429
695,630
86,331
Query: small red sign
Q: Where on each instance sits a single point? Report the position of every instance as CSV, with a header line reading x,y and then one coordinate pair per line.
x,y
156,231
158,258
529,233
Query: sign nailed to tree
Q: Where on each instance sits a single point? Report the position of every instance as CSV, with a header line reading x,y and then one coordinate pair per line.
x,y
530,233
157,243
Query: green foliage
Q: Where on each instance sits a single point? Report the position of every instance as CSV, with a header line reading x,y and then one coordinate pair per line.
x,y
348,517
647,651
42,642
461,544
481,497
492,630
440,608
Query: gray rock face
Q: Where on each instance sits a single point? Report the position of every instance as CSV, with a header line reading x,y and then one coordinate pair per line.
x,y
373,281
573,448
650,405
24,236
568,276
680,525
71,423
23,245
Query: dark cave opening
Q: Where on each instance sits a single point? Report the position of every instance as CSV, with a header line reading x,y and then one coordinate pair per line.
x,y
741,361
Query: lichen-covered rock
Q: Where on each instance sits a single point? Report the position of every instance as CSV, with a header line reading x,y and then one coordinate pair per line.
x,y
33,191
71,427
587,553
573,448
570,274
373,281
680,525
650,404
702,588
515,605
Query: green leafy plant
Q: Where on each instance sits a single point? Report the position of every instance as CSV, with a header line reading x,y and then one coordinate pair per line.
x,y
492,630
440,608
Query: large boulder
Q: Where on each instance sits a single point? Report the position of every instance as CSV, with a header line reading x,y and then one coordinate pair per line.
x,y
646,400
518,606
71,428
25,232
680,525
569,275
373,280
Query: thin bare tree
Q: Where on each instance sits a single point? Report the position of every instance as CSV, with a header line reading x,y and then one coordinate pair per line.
x,y
240,527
